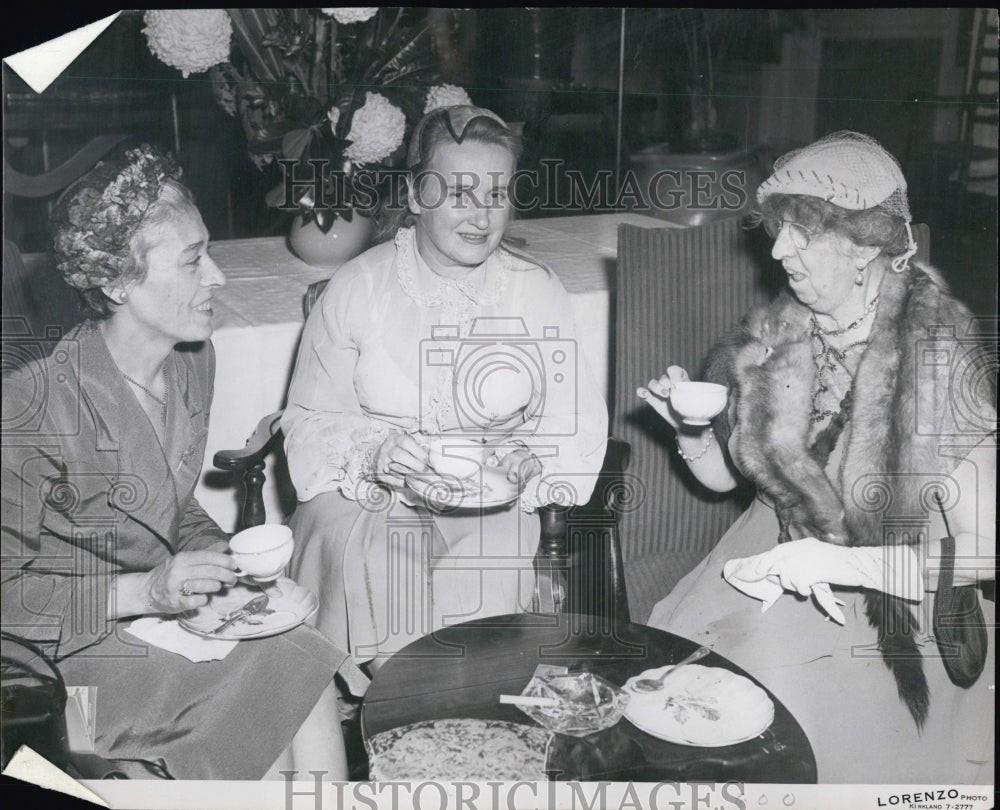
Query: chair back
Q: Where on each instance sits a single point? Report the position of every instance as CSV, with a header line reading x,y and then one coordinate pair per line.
x,y
313,292
678,290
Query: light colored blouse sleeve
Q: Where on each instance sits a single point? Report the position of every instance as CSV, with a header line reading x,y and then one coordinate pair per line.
x,y
329,440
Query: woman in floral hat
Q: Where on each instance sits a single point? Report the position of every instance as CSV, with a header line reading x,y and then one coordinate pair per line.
x,y
855,397
103,444
441,342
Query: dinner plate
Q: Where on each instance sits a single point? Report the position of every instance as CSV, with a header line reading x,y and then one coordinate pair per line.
x,y
446,492
702,706
290,609
460,748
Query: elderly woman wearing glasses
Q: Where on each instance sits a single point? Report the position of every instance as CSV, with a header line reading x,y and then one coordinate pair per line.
x,y
103,443
854,398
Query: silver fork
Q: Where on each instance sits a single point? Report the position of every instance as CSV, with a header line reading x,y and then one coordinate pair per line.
x,y
255,605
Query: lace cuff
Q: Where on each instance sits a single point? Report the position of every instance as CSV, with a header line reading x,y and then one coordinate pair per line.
x,y
354,465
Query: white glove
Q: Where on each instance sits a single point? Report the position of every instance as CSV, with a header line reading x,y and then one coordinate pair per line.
x,y
811,566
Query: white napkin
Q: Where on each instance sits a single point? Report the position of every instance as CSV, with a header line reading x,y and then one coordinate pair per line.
x,y
769,589
168,635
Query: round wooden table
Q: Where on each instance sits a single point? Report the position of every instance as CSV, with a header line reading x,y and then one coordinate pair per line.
x,y
461,671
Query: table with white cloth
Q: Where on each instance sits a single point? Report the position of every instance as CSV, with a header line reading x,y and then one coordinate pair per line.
x,y
258,321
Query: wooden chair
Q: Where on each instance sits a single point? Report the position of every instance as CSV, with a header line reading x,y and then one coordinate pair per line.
x,y
579,563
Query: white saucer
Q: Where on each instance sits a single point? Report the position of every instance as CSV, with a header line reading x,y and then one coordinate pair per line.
x,y
484,490
702,706
292,608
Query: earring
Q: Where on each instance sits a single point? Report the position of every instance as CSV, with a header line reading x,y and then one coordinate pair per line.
x,y
124,297
859,279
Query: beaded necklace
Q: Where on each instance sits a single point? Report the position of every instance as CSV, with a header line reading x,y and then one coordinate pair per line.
x,y
831,363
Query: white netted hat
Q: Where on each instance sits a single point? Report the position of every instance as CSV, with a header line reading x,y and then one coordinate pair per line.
x,y
847,169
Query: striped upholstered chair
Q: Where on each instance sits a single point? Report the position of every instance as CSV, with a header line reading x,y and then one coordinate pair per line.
x,y
677,292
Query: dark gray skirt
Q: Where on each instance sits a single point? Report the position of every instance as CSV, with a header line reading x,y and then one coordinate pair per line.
x,y
227,719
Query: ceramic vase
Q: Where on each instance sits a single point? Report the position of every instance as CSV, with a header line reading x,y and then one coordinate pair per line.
x,y
330,250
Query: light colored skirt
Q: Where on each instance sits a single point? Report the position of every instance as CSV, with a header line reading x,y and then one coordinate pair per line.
x,y
832,678
389,574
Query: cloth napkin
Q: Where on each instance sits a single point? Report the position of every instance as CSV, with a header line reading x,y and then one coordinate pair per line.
x,y
168,635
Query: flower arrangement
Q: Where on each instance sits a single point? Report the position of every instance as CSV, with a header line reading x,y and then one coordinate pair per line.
x,y
335,86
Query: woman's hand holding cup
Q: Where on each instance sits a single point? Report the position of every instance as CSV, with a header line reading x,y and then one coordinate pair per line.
x,y
657,394
183,582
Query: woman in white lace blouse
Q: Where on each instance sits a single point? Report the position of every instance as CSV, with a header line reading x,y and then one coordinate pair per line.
x,y
442,333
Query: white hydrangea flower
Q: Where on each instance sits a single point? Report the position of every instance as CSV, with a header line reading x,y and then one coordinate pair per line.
x,y
191,40
445,95
346,16
376,130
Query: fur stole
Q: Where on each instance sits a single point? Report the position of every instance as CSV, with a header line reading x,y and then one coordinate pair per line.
x,y
915,389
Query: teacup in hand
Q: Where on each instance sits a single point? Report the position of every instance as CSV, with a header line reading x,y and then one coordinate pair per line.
x,y
262,552
698,402
461,458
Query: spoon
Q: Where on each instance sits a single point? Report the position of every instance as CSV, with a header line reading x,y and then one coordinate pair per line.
x,y
653,684
255,605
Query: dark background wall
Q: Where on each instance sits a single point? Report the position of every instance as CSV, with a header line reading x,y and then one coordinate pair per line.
x,y
781,78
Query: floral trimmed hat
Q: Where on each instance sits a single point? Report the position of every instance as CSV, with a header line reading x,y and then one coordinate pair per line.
x,y
95,218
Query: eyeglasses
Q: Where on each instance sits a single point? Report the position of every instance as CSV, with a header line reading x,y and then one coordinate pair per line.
x,y
798,233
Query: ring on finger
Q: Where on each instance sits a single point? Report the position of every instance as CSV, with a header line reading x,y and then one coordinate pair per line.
x,y
186,588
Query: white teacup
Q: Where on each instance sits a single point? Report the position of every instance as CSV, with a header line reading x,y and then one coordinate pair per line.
x,y
698,402
461,458
262,552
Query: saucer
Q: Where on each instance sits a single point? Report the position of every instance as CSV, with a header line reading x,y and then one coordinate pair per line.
x,y
701,706
446,492
292,608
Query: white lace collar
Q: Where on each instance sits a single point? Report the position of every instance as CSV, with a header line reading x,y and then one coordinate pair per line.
x,y
483,286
